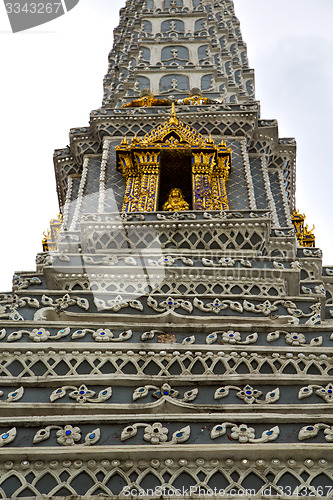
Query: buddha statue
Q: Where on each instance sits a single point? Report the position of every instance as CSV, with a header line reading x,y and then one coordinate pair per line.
x,y
175,201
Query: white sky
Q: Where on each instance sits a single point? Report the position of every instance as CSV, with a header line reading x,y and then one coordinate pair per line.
x,y
52,78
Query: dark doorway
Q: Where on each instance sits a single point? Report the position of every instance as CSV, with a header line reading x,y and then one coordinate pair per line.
x,y
175,172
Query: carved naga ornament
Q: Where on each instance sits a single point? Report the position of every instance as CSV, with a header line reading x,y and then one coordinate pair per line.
x,y
174,157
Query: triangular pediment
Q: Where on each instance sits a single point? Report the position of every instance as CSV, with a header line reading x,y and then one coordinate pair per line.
x,y
174,133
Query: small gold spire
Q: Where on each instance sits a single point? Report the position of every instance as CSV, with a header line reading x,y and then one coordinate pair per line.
x,y
210,139
173,120
135,140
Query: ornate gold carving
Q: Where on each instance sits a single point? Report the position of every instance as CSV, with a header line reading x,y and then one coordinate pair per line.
x,y
210,178
176,201
126,165
147,99
148,198
174,133
49,241
196,98
305,237
147,162
202,192
139,163
219,194
309,239
203,163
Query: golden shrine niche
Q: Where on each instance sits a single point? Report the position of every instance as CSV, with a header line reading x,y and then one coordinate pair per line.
x,y
173,157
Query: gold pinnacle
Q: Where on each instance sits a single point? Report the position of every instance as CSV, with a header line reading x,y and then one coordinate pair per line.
x,y
173,120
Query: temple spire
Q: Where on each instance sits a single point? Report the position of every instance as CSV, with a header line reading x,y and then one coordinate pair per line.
x,y
172,47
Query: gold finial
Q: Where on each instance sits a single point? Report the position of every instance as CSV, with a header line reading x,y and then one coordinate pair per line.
x,y
307,231
210,139
173,120
296,214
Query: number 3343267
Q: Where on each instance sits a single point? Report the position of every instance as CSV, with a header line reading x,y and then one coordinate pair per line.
x,y
33,8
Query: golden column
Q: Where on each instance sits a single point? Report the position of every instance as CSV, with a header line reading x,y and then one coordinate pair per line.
x,y
133,185
148,164
202,168
220,177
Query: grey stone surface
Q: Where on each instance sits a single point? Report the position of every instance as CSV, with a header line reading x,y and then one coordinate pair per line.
x,y
162,351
